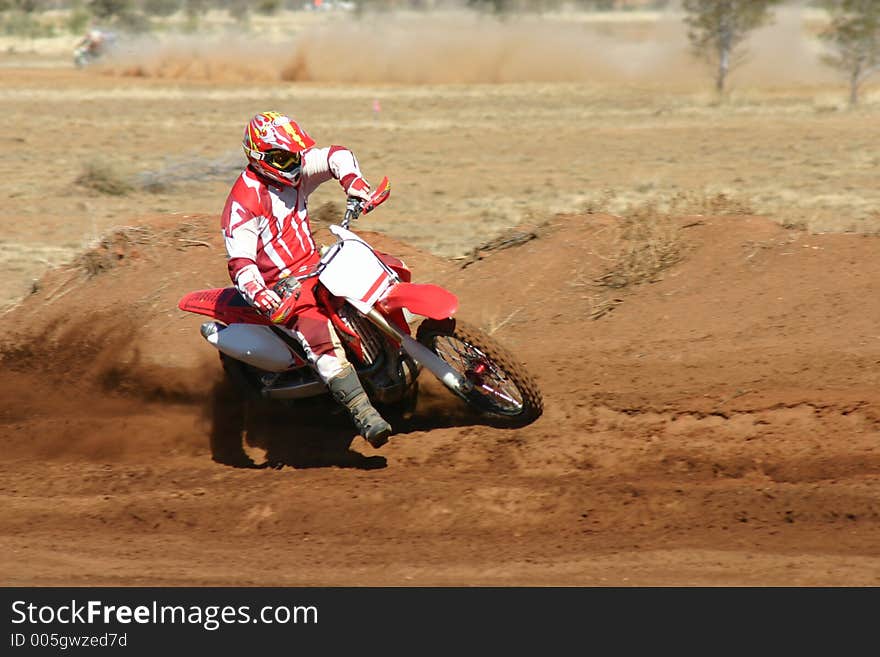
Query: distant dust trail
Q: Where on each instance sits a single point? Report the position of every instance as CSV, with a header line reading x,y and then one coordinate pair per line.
x,y
472,49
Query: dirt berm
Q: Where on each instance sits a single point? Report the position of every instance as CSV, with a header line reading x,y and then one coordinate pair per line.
x,y
717,423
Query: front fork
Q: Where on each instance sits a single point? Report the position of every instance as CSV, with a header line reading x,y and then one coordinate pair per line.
x,y
422,355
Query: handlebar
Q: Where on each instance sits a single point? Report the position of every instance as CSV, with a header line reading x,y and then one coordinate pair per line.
x,y
353,209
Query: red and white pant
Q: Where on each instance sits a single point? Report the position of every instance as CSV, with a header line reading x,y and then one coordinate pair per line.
x,y
313,328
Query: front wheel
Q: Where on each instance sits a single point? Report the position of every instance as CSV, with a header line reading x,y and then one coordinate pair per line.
x,y
501,390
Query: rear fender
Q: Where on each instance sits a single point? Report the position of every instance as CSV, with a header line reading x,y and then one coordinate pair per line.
x,y
224,304
420,299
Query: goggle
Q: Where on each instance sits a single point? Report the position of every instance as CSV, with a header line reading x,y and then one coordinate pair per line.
x,y
281,160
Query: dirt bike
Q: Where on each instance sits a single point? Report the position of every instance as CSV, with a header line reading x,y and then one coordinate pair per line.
x,y
372,302
82,57
85,55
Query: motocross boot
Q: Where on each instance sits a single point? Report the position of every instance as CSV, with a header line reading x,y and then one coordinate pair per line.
x,y
346,389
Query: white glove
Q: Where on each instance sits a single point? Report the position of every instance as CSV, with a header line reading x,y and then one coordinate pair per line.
x,y
266,300
359,188
250,283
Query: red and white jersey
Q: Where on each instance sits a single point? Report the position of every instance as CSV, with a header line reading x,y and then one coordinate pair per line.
x,y
267,224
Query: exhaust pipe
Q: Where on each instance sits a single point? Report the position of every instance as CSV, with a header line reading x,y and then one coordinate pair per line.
x,y
250,343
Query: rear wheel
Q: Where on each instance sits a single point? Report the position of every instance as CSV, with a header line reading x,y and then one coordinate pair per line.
x,y
501,389
244,377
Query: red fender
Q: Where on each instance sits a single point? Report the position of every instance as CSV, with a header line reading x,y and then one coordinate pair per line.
x,y
421,299
223,303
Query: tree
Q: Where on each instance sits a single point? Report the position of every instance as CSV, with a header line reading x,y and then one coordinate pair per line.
x,y
496,6
239,10
161,7
193,10
598,5
104,9
717,28
854,35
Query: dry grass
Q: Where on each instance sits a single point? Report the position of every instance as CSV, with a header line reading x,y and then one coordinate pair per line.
x,y
495,322
713,204
642,203
467,162
131,242
104,178
646,242
122,243
506,241
648,236
646,245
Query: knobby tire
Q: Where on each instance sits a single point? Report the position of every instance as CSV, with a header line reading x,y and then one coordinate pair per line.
x,y
498,360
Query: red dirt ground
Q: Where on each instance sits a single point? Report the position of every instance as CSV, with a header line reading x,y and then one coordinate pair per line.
x,y
721,426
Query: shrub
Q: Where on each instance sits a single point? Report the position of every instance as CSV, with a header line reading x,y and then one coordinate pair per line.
x,y
104,179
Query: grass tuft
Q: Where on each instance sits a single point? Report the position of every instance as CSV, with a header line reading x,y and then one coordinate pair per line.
x,y
114,247
646,244
130,242
104,179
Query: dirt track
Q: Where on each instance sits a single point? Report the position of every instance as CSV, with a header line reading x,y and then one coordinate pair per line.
x,y
718,427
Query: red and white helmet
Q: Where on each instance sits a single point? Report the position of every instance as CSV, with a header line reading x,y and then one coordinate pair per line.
x,y
273,144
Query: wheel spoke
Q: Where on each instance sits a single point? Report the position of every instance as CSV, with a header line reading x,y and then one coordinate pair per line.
x,y
493,383
499,393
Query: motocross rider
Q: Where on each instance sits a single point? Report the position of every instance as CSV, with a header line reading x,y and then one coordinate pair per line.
x,y
268,238
93,42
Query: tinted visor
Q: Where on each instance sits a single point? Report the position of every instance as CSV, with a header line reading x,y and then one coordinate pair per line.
x,y
282,160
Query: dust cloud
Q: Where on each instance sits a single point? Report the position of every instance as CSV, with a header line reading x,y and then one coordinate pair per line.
x,y
645,49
